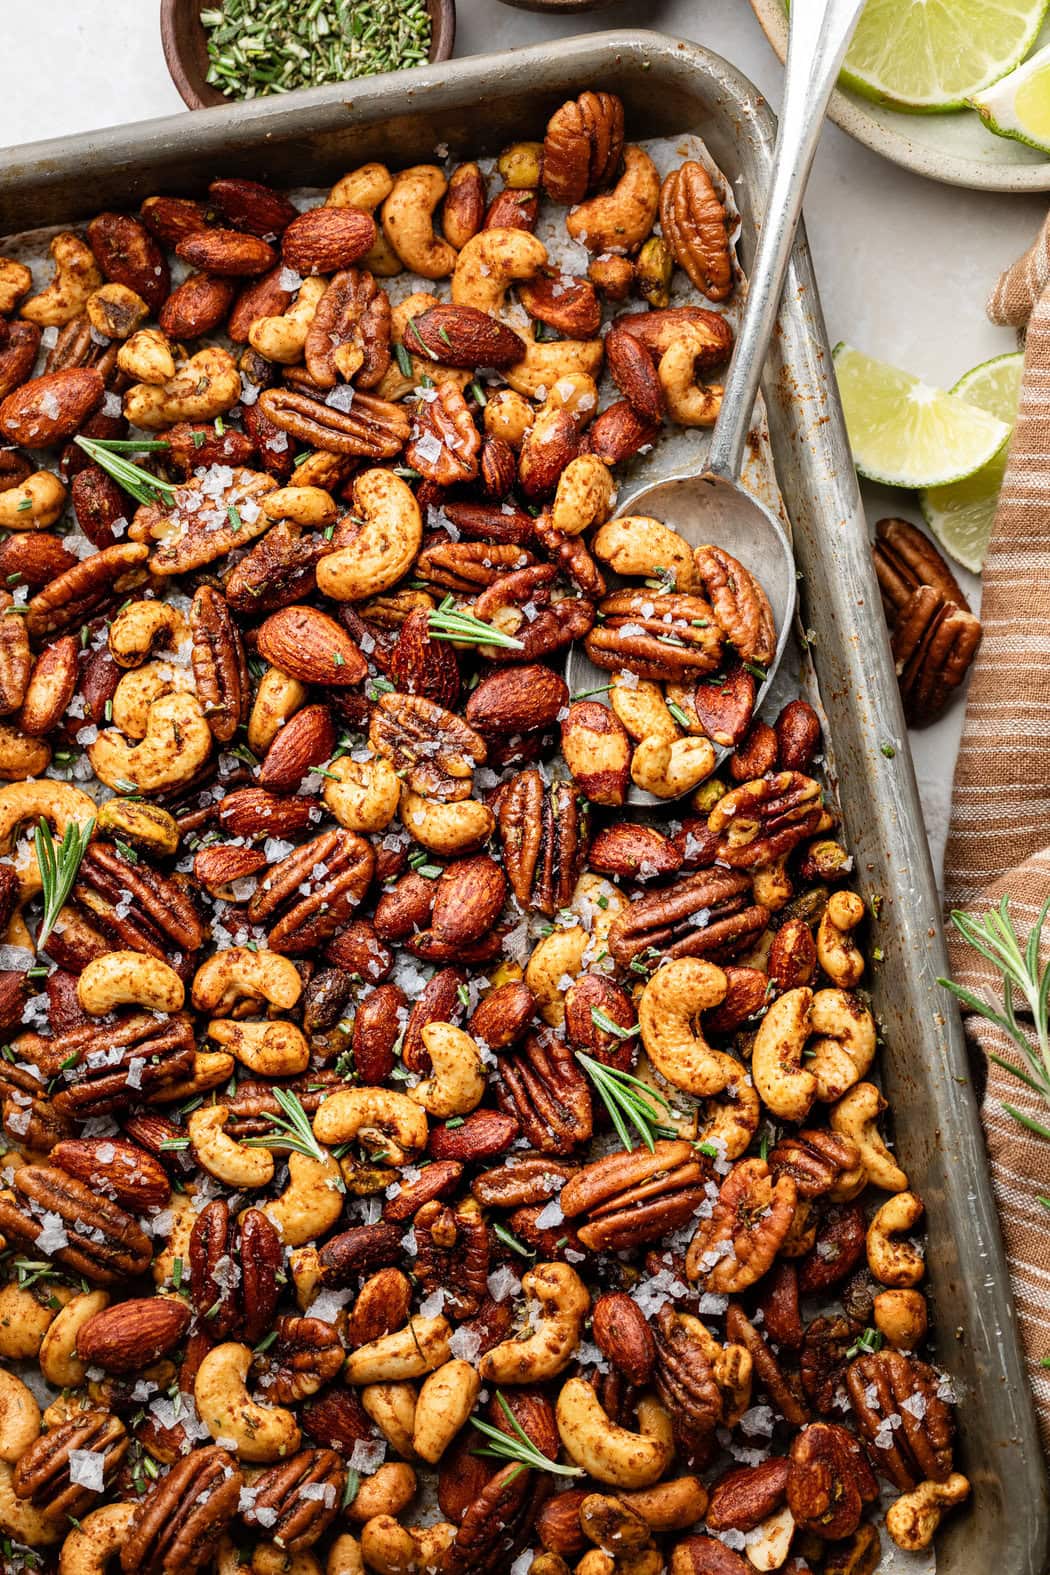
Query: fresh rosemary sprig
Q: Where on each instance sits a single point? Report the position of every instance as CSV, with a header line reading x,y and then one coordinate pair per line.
x,y
293,1131
447,622
995,937
143,487
58,863
133,445
508,1238
519,1447
628,1100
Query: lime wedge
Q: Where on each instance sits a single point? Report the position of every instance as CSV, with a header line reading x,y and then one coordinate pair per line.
x,y
931,55
905,433
1018,105
960,515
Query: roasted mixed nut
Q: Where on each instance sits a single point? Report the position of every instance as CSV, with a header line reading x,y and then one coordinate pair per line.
x,y
379,1098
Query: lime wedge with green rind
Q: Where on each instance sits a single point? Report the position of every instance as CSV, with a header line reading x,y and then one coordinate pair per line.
x,y
905,433
961,514
1018,105
928,56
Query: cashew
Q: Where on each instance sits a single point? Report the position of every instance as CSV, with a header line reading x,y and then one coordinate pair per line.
x,y
901,1318
611,1453
311,507
688,401
223,1157
59,1362
565,953
366,188
19,1415
642,709
129,979
277,698
671,1002
584,497
147,825
550,361
21,756
256,1433
138,689
772,885
344,1556
408,222
76,276
783,1082
393,1549
176,745
445,1401
670,1506
731,1122
509,416
148,357
576,392
210,1068
895,1262
116,311
311,1203
670,767
382,1119
386,1492
35,504
845,1048
564,1303
489,262
363,795
855,1117
96,1540
16,281
59,803
837,952
619,220
24,1321
914,1518
141,627
392,1408
770,1541
205,386
446,829
731,1367
458,1081
270,1049
283,338
237,974
20,1519
385,545
638,545
418,1348
177,1246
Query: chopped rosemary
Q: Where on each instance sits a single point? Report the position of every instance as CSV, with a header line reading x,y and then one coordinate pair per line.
x,y
447,622
601,1020
293,1131
403,359
519,1446
628,1100
866,1344
508,1238
58,863
142,486
678,714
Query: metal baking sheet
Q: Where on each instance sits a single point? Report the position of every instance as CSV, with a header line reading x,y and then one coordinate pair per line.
x,y
670,87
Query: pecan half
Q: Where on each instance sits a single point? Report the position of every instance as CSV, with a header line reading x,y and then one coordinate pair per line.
x,y
159,915
42,1474
452,1244
107,1069
814,1158
277,571
887,1389
102,1242
740,604
220,666
84,590
739,1241
544,834
583,146
496,1524
763,820
469,566
633,1198
337,868
548,1093
685,1382
177,1526
233,1269
709,914
906,558
298,1499
372,428
695,227
433,749
306,1354
349,336
663,636
933,644
445,443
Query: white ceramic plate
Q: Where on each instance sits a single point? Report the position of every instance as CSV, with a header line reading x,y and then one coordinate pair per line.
x,y
955,148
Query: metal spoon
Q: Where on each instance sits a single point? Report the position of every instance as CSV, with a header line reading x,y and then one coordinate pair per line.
x,y
714,506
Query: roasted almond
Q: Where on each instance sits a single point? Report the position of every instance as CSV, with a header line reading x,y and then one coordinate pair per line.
x,y
117,1168
171,219
482,1135
463,336
253,812
629,848
324,240
623,1336
230,253
197,306
265,297
127,254
309,645
219,866
306,740
132,1334
517,700
468,898
249,205
51,687
563,302
52,407
797,730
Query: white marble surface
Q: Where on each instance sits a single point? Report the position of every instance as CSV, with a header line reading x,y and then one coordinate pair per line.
x,y
905,264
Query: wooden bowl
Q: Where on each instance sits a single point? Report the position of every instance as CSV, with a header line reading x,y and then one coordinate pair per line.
x,y
186,48
557,7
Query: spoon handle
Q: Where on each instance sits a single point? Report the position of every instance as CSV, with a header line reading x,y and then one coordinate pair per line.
x,y
818,34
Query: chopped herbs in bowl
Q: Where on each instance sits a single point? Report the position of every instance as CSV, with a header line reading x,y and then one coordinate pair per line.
x,y
274,46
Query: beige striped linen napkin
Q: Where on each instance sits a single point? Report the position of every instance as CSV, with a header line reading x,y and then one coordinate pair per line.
x,y
999,840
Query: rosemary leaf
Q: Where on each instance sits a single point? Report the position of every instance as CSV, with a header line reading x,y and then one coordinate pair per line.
x,y
142,486
58,863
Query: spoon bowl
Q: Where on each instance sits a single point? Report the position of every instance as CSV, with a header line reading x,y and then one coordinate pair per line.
x,y
716,509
